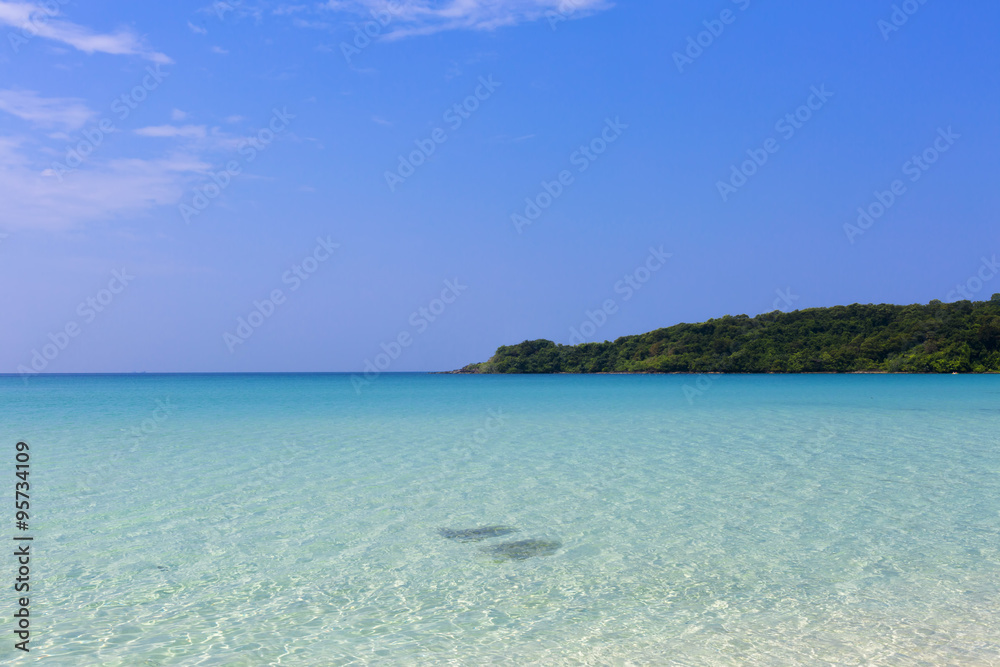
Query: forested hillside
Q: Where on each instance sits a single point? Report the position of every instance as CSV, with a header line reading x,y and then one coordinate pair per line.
x,y
963,336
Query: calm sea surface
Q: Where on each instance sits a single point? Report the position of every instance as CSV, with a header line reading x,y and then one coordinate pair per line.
x,y
289,520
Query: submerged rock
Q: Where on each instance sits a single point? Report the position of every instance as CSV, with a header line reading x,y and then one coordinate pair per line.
x,y
523,549
475,534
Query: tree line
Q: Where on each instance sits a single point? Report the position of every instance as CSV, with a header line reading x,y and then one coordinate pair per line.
x,y
959,337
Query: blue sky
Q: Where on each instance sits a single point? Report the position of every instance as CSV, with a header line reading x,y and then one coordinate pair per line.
x,y
260,186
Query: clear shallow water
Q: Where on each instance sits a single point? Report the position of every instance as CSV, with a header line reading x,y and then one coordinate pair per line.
x,y
283,519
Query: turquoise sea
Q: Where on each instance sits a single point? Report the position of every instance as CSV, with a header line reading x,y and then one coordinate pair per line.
x,y
289,520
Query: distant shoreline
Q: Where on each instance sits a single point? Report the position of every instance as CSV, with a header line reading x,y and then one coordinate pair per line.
x,y
962,337
461,372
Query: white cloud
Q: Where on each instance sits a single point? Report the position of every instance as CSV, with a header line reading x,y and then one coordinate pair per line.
x,y
197,29
226,9
40,20
38,190
9,151
315,25
289,9
423,17
169,131
218,49
177,114
48,112
196,137
38,199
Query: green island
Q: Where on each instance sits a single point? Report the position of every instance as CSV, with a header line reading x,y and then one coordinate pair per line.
x,y
958,337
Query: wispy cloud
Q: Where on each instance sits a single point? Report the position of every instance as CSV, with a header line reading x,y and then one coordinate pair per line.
x,y
35,194
289,9
315,25
198,30
42,20
198,139
221,51
169,131
36,199
424,17
47,112
225,9
37,191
